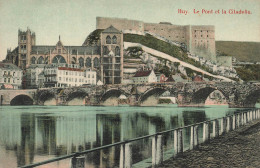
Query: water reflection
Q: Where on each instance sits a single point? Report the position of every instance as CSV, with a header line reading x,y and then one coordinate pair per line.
x,y
29,133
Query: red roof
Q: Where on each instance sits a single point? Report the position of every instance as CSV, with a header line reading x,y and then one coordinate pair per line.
x,y
142,73
70,69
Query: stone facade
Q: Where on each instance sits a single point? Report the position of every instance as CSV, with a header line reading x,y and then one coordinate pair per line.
x,y
198,39
87,57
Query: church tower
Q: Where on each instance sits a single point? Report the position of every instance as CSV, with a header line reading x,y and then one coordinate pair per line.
x,y
26,39
111,56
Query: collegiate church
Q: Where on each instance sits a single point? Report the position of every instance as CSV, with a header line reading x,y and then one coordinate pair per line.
x,y
106,58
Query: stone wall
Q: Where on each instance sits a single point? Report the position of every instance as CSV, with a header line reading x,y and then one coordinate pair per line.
x,y
199,39
120,24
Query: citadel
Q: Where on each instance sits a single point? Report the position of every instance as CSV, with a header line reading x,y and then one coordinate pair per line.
x,y
105,58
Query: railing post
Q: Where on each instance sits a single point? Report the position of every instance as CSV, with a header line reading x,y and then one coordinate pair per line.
x,y
180,141
196,136
175,142
125,156
233,122
157,150
128,155
191,137
122,156
78,162
228,124
206,132
221,126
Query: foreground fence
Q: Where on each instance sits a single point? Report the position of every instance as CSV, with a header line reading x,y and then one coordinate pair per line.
x,y
198,133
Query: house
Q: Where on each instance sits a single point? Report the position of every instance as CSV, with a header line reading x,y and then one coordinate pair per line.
x,y
161,77
10,76
144,76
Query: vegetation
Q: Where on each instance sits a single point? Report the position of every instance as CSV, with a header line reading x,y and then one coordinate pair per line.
x,y
93,38
164,47
243,51
249,72
134,52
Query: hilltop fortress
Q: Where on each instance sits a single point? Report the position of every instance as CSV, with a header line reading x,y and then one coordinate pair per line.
x,y
198,39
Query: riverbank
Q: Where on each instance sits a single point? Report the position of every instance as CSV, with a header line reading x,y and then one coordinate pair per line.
x,y
239,148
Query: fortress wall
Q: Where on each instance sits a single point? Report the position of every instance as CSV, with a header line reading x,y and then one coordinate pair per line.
x,y
200,39
120,24
203,41
171,32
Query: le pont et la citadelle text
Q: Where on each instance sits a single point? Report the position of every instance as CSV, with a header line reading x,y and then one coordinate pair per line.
x,y
218,11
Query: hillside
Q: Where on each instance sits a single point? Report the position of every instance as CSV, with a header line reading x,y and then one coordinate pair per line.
x,y
243,51
249,72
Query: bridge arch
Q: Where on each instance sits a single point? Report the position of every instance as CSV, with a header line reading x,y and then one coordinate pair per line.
x,y
199,96
21,99
45,95
76,97
252,98
112,93
156,92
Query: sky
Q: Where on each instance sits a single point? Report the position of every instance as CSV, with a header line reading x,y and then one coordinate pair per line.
x,y
73,20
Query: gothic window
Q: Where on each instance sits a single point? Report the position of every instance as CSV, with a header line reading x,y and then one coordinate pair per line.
x,y
40,60
88,62
33,60
114,40
108,40
96,62
73,61
81,62
58,59
117,51
105,50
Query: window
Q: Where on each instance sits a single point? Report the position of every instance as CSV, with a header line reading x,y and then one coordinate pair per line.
x,y
117,51
58,59
88,75
40,60
96,62
33,60
93,76
5,80
8,80
13,73
114,40
59,51
108,40
88,62
81,62
105,50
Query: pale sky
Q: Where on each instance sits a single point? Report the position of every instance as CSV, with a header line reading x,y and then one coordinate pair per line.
x,y
75,19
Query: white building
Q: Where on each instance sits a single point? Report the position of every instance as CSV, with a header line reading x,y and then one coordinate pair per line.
x,y
145,77
67,75
10,76
33,77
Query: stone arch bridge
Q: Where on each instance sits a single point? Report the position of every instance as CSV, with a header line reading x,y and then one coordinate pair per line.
x,y
187,94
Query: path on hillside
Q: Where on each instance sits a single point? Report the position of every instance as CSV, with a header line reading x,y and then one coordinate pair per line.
x,y
239,148
172,59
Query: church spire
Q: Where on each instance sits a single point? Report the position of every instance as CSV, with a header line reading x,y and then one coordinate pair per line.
x,y
59,37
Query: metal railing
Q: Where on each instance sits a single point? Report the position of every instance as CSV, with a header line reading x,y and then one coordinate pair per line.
x,y
219,126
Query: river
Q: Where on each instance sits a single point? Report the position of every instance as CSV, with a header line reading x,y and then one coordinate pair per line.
x,y
30,134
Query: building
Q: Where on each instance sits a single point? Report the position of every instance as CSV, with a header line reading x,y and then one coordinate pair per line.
x,y
111,56
34,77
199,39
109,69
161,77
147,76
67,75
10,76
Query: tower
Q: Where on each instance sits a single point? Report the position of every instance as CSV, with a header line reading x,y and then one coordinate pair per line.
x,y
111,56
26,39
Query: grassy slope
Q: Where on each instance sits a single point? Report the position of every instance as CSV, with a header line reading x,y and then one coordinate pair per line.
x,y
249,72
159,45
243,51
